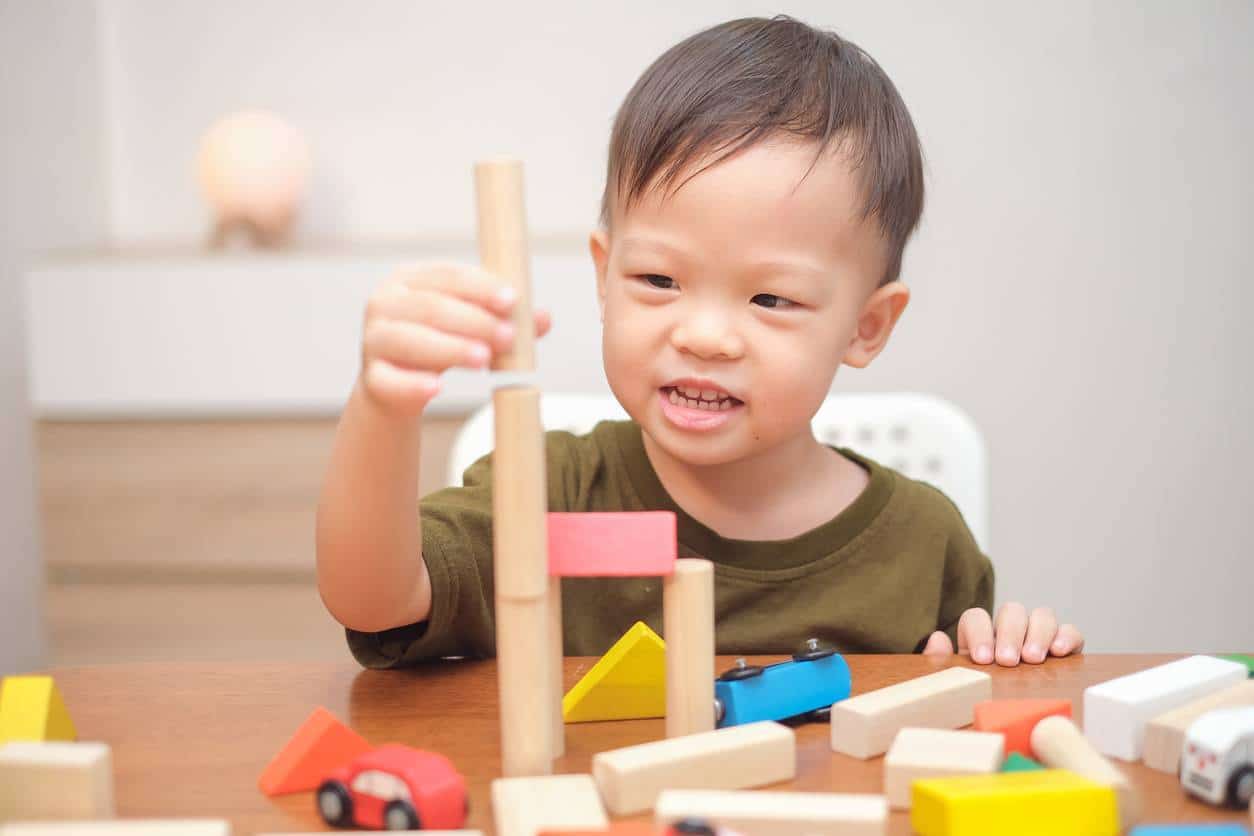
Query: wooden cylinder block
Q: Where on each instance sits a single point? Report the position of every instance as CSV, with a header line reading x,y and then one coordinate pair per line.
x,y
525,688
503,250
688,628
519,497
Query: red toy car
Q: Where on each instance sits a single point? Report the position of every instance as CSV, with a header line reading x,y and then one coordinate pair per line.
x,y
395,787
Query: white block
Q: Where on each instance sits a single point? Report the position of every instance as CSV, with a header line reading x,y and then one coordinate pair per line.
x,y
865,725
121,827
525,806
55,781
1164,735
777,813
937,753
1115,712
735,758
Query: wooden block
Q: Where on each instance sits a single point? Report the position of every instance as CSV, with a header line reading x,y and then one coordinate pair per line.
x,y
1020,763
1115,712
503,251
527,806
734,758
556,669
124,827
54,781
321,744
688,626
865,725
628,682
937,753
1058,743
31,708
1241,658
1046,803
1164,735
777,813
1015,719
616,544
525,688
519,498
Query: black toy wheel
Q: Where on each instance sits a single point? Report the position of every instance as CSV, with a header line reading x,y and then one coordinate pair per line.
x,y
812,650
741,671
821,715
1241,787
693,826
400,815
335,805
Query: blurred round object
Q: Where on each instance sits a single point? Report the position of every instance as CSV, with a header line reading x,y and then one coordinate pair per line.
x,y
253,169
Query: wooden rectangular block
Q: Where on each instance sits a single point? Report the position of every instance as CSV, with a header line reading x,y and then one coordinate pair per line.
x,y
527,806
55,781
937,753
1115,712
734,758
123,827
777,813
1164,735
1046,803
1015,719
612,544
865,725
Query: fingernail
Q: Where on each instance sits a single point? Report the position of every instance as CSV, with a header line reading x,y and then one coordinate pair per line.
x,y
1033,652
505,332
1059,646
984,654
1007,655
507,295
479,354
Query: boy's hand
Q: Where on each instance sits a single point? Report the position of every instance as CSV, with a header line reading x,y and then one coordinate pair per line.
x,y
430,318
1017,636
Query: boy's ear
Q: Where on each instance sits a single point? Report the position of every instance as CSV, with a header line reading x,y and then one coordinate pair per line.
x,y
599,247
876,321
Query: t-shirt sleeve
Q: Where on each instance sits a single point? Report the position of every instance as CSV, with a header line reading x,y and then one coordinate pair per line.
x,y
969,577
457,547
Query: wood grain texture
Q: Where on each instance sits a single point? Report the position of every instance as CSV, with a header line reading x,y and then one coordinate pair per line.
x,y
189,740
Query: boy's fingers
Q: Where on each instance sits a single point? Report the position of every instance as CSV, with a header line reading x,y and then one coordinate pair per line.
x,y
1042,628
443,312
1011,628
938,644
400,387
463,280
411,345
543,323
1067,641
975,635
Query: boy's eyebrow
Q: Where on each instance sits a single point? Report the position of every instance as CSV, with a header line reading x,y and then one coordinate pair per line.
x,y
774,264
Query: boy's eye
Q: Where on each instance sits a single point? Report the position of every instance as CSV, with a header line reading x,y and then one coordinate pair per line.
x,y
770,300
660,282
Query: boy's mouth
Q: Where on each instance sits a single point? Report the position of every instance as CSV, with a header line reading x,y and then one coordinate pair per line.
x,y
711,400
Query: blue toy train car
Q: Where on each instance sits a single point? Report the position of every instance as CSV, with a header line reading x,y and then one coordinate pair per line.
x,y
802,688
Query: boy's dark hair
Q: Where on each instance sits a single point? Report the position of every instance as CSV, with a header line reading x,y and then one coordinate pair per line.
x,y
741,82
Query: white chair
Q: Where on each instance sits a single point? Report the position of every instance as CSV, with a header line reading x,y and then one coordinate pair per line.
x,y
921,436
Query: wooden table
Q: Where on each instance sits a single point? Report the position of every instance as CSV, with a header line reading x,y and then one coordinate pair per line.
x,y
189,740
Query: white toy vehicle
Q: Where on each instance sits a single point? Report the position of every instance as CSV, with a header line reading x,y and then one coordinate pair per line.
x,y
1218,760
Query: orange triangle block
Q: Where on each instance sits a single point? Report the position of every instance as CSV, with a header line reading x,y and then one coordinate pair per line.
x,y
627,683
321,744
1015,719
31,709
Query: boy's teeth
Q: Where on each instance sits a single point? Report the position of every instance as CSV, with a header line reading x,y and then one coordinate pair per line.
x,y
693,403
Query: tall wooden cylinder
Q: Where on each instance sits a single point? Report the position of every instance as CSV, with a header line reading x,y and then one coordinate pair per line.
x,y
688,628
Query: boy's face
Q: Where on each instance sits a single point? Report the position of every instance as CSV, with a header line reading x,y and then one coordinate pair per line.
x,y
752,279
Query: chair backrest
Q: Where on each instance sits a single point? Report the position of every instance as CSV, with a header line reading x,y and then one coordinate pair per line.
x,y
921,436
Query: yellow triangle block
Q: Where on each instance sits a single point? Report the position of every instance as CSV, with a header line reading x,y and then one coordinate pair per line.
x,y
31,709
627,683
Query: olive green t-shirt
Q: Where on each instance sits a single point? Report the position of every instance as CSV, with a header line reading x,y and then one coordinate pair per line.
x,y
879,577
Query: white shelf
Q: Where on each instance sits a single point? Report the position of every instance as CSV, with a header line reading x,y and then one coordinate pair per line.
x,y
117,335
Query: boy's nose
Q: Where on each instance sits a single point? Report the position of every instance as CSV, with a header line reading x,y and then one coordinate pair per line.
x,y
709,337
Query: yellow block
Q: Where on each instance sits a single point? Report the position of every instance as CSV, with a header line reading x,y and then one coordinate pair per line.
x,y
31,709
1041,803
627,683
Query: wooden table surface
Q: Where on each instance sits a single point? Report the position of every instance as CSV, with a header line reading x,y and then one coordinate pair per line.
x,y
189,740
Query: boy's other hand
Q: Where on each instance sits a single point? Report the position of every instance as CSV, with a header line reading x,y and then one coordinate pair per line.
x,y
427,319
1017,636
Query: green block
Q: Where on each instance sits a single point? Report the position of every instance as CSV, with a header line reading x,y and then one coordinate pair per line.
x,y
1248,661
1019,763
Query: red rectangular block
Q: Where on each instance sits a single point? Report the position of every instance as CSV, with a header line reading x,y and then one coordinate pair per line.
x,y
1015,719
612,544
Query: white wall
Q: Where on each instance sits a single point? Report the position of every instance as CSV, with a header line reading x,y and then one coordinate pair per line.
x,y
1081,277
51,168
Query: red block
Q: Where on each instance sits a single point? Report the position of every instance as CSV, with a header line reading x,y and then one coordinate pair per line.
x,y
611,544
1015,719
321,744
